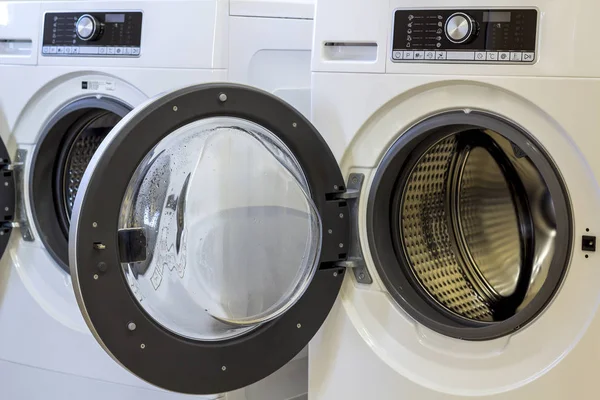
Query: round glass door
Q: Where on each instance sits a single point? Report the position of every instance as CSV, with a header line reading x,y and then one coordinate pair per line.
x,y
205,238
232,234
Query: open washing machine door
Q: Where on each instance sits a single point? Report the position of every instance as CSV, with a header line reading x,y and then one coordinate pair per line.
x,y
7,197
207,238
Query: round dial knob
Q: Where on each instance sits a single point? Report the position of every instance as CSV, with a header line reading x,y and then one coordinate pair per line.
x,y
460,28
87,27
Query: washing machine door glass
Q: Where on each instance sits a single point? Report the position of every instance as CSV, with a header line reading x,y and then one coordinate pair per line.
x,y
200,242
7,198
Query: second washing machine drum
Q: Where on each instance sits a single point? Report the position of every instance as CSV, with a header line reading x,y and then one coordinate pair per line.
x,y
468,214
79,145
65,148
82,142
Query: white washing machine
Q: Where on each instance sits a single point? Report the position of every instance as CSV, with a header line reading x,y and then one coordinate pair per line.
x,y
69,72
466,134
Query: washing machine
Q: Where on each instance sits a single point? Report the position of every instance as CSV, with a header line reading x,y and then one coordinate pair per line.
x,y
69,72
465,134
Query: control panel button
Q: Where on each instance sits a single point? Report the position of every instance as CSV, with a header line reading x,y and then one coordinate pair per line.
x,y
504,56
67,50
53,49
119,50
419,55
396,55
75,50
60,50
480,56
459,28
135,51
515,56
492,56
128,50
460,55
408,55
440,55
110,50
528,57
430,55
102,50
46,50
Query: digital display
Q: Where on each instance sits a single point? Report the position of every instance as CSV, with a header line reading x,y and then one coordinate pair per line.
x,y
114,18
496,16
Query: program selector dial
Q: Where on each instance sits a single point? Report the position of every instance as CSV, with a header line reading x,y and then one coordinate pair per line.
x,y
460,28
88,28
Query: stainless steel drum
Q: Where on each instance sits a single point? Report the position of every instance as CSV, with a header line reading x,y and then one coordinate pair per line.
x,y
63,150
84,144
477,225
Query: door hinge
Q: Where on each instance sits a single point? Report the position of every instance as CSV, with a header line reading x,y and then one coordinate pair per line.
x,y
349,194
20,215
355,260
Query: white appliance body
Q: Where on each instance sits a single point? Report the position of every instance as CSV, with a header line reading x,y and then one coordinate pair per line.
x,y
362,102
41,323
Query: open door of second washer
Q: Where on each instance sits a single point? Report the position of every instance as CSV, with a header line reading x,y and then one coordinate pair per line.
x,y
7,199
206,237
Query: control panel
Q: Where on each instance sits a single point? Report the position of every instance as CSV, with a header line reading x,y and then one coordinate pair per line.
x,y
499,36
97,34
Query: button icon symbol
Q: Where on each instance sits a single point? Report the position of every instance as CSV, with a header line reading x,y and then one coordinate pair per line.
x,y
409,31
438,38
411,17
419,55
440,55
492,55
440,24
439,31
504,56
528,56
438,45
430,55
440,17
397,55
407,45
408,55
409,38
410,25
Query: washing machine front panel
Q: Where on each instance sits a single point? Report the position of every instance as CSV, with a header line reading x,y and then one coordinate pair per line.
x,y
208,238
413,348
